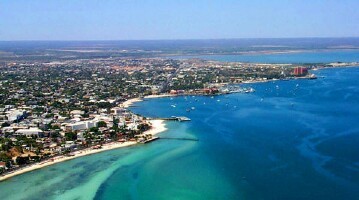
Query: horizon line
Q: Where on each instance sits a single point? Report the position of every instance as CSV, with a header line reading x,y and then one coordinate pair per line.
x,y
243,38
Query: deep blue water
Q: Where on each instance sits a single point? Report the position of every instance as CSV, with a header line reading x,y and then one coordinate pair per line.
x,y
289,140
293,139
298,58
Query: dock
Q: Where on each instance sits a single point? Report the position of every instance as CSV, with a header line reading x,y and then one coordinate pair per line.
x,y
171,138
150,140
173,118
168,138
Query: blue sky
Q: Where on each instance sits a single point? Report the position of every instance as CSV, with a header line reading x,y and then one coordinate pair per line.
x,y
176,19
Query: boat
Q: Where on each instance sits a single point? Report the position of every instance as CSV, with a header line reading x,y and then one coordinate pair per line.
x,y
312,76
248,90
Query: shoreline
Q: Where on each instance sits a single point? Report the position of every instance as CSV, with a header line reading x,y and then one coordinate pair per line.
x,y
128,103
158,126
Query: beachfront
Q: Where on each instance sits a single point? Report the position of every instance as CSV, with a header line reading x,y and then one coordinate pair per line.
x,y
130,102
157,126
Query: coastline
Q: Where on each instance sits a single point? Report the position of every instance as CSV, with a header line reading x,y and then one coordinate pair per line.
x,y
128,103
158,126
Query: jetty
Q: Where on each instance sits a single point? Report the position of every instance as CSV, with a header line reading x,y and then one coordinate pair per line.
x,y
168,138
150,140
172,138
173,118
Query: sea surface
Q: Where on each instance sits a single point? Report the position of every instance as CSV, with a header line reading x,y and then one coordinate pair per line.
x,y
289,140
327,56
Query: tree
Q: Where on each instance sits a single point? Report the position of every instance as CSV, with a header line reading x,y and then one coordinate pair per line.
x,y
101,124
54,127
70,136
4,157
115,124
22,160
94,129
55,135
143,127
5,124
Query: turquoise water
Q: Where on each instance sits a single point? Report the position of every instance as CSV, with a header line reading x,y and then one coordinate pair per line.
x,y
288,140
302,57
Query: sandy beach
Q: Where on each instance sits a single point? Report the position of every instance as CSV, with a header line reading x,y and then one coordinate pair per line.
x,y
129,102
159,96
158,126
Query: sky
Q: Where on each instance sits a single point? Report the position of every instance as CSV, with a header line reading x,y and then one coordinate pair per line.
x,y
176,19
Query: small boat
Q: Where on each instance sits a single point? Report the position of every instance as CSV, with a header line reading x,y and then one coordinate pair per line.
x,y
173,106
312,76
193,108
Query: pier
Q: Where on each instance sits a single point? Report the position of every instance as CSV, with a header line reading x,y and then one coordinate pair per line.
x,y
173,118
150,140
171,138
168,138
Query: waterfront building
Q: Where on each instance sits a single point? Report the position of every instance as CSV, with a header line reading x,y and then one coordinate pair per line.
x,y
300,71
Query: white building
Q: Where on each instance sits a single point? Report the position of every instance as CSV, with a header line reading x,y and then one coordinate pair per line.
x,y
77,112
82,125
29,132
13,115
